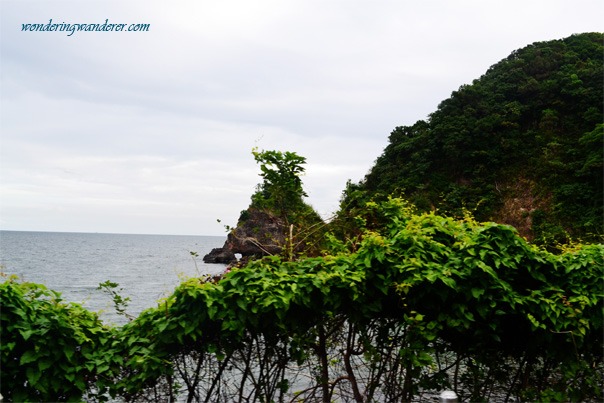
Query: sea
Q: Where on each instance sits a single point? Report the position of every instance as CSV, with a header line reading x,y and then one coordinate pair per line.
x,y
146,268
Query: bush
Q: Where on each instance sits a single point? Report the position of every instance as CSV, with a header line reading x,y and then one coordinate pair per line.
x,y
417,303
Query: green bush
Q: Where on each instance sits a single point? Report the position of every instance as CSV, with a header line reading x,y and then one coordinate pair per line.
x,y
417,303
51,350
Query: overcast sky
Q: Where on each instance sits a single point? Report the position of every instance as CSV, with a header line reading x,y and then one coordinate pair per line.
x,y
152,132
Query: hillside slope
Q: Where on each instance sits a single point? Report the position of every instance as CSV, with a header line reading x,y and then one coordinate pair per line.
x,y
521,145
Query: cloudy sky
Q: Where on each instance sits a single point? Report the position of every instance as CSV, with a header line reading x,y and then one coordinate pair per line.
x,y
152,132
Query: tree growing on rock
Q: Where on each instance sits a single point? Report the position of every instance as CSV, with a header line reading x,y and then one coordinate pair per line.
x,y
280,196
278,220
281,191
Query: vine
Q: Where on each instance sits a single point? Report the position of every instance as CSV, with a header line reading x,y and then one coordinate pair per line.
x,y
416,304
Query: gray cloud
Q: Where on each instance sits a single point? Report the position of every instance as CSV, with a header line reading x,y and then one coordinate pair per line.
x,y
152,132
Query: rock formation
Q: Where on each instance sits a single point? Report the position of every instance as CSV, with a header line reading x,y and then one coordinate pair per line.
x,y
258,233
220,255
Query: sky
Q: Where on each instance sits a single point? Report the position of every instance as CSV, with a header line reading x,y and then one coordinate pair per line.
x,y
151,132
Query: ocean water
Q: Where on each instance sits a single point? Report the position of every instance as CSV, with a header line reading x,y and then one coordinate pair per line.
x,y
146,267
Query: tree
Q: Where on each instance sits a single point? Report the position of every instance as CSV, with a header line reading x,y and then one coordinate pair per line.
x,y
281,190
277,220
521,145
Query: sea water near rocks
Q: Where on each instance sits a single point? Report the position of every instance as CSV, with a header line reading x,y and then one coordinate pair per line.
x,y
146,267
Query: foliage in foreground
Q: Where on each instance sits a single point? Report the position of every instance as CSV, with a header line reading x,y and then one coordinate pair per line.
x,y
51,350
416,304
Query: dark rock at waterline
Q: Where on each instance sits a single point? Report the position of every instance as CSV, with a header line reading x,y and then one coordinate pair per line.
x,y
220,255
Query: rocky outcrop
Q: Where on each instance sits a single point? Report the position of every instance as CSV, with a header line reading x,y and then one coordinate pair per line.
x,y
220,255
258,233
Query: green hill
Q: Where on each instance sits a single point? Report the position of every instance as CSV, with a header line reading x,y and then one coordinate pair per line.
x,y
521,145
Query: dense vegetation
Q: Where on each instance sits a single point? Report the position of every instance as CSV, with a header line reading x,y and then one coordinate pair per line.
x,y
521,145
418,303
281,190
395,303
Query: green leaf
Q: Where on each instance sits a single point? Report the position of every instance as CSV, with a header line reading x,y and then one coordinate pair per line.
x,y
162,326
241,303
33,376
477,292
29,356
68,351
44,364
449,282
26,333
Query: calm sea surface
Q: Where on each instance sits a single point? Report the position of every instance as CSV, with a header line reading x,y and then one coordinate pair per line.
x,y
146,267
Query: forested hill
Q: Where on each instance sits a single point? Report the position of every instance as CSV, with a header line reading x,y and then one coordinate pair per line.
x,y
521,145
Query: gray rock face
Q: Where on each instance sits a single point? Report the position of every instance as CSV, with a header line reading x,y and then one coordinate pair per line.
x,y
258,234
